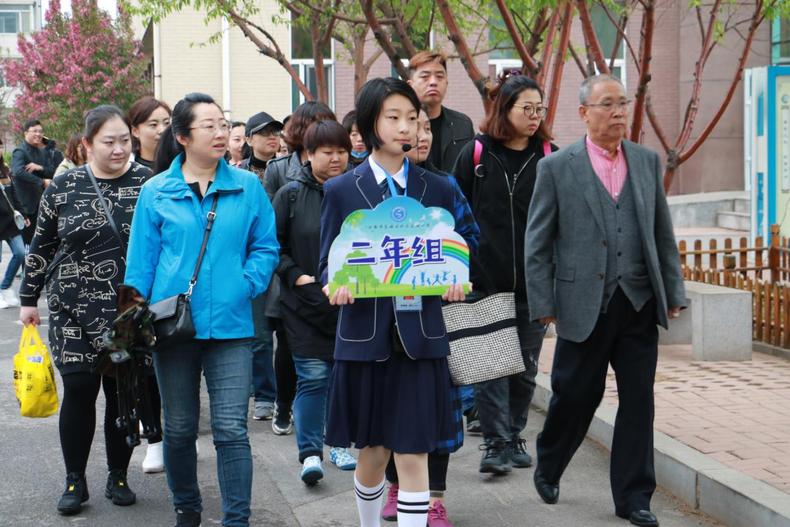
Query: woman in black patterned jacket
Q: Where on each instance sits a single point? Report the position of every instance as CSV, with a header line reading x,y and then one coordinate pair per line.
x,y
80,260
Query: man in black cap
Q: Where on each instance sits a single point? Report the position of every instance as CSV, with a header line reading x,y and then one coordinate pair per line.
x,y
263,137
262,132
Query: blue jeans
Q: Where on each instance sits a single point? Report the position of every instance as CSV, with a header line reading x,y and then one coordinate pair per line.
x,y
503,404
309,408
227,367
264,386
18,250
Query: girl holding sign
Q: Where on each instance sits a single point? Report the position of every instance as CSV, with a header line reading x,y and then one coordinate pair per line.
x,y
390,388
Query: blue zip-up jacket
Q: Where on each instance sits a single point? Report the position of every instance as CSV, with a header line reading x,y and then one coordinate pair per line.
x,y
242,252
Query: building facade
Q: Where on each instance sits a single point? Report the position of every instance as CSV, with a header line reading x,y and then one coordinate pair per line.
x,y
245,82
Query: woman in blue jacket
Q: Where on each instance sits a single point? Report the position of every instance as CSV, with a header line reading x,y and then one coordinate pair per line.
x,y
241,255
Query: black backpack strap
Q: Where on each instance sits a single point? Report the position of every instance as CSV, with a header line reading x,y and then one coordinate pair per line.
x,y
104,208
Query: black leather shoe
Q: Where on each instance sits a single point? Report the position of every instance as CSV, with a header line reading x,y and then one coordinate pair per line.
x,y
642,518
548,492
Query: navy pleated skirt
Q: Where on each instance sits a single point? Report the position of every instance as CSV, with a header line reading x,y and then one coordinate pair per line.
x,y
402,404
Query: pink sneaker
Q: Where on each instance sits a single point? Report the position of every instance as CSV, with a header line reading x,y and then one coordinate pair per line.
x,y
437,516
390,510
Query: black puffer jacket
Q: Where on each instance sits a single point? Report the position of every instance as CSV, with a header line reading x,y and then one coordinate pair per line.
x,y
309,319
500,208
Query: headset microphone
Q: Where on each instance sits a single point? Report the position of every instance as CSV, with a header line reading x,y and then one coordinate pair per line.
x,y
406,147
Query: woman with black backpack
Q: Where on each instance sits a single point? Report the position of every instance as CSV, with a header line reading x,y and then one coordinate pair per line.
x,y
497,172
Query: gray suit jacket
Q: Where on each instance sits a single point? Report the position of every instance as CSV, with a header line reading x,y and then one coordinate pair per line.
x,y
564,250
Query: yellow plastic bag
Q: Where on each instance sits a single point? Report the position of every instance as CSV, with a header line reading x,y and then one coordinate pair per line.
x,y
34,378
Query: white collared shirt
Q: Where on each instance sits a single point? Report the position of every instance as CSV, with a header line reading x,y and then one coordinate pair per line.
x,y
380,174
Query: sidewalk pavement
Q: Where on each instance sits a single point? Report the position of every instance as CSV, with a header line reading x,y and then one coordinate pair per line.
x,y
32,479
735,413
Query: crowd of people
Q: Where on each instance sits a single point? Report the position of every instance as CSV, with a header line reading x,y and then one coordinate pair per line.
x,y
581,237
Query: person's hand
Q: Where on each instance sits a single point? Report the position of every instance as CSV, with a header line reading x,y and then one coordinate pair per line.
x,y
341,297
29,315
674,312
27,222
46,182
305,279
547,320
455,293
32,167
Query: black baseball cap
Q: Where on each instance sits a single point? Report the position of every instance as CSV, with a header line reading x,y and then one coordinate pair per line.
x,y
259,121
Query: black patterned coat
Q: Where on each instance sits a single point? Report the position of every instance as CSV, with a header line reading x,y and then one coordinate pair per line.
x,y
79,259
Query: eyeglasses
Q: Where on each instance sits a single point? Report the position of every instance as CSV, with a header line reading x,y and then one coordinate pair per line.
x,y
532,111
269,133
609,106
212,128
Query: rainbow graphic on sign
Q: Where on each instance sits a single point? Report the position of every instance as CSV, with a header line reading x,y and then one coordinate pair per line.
x,y
400,248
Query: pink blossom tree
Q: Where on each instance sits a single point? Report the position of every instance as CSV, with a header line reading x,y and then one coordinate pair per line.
x,y
73,64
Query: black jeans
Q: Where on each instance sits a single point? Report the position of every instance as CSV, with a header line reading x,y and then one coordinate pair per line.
x,y
503,404
78,422
628,340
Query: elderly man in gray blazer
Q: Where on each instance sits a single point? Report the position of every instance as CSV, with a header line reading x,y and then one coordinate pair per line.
x,y
602,264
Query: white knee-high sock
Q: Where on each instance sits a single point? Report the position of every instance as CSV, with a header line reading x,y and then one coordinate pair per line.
x,y
412,508
369,503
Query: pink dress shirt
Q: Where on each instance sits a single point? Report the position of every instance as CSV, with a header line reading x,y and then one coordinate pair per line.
x,y
612,171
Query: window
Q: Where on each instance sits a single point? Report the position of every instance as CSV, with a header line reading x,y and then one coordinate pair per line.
x,y
303,62
15,18
780,41
607,37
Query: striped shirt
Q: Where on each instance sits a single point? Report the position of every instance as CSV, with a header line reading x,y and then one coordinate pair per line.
x,y
611,171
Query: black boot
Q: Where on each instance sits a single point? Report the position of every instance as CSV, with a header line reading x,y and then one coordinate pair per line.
x,y
75,495
118,489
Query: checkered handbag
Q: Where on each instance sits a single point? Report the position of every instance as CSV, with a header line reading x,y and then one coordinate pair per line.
x,y
483,338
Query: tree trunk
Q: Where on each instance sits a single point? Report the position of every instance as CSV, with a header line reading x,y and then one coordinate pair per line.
x,y
321,87
481,82
590,38
548,45
645,52
683,156
383,39
559,63
529,63
272,51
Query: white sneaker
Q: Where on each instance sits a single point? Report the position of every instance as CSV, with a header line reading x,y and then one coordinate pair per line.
x,y
10,297
154,459
3,303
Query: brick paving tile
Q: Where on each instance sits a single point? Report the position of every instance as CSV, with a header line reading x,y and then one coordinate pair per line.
x,y
735,412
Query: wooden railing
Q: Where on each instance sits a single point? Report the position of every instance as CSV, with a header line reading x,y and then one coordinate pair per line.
x,y
763,270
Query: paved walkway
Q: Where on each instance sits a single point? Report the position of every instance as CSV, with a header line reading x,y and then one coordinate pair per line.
x,y
738,413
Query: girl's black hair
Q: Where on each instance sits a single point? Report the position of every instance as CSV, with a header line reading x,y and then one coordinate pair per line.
x,y
180,124
95,118
370,100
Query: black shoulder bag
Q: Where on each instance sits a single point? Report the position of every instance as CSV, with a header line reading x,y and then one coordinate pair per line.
x,y
173,315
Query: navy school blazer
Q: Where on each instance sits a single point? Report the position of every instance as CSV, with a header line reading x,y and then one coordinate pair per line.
x,y
364,327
